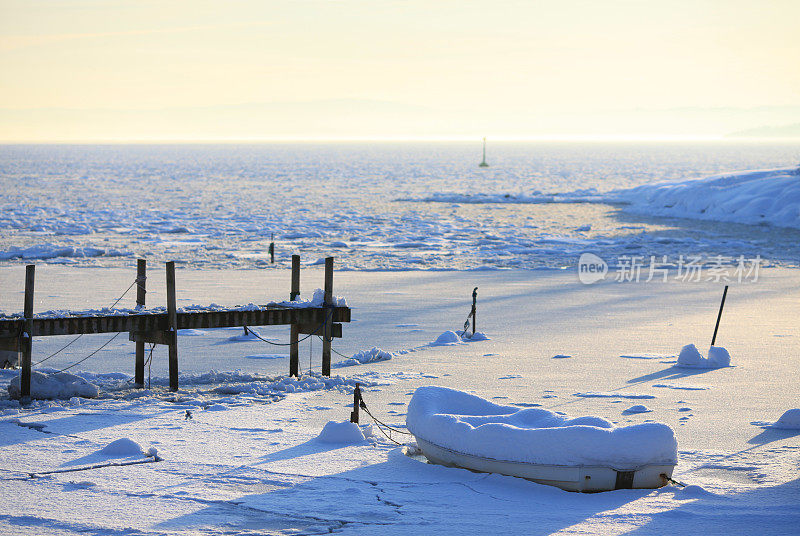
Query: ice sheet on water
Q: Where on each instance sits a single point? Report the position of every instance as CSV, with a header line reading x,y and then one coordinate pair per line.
x,y
473,224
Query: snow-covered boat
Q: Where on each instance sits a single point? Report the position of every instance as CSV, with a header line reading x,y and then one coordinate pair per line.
x,y
458,429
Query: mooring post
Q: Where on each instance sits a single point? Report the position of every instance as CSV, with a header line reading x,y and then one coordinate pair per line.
x,y
27,337
141,292
719,315
172,327
356,403
328,303
474,303
272,248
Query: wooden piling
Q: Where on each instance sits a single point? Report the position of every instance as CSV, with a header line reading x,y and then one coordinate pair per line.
x,y
172,327
294,332
27,339
328,302
141,293
295,292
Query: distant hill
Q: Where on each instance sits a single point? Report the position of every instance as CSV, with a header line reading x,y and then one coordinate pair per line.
x,y
782,131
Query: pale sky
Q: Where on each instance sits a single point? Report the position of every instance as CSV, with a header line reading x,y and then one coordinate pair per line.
x,y
317,69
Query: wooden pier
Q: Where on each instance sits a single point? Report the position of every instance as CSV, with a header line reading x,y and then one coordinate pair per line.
x,y
146,327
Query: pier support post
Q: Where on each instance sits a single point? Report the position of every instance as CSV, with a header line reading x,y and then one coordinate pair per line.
x,y
172,327
328,303
294,335
26,343
141,292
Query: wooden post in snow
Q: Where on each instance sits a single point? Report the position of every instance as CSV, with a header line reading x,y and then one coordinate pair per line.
x,y
328,303
27,337
172,327
294,344
356,403
141,292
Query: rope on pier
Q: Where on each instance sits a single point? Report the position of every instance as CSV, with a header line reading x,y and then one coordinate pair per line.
x,y
135,281
380,424
93,353
259,337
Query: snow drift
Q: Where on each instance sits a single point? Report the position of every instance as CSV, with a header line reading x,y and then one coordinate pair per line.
x,y
471,425
752,197
57,385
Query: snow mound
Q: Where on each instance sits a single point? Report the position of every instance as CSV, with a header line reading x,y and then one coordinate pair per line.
x,y
693,492
790,420
341,432
475,337
365,356
448,338
751,197
317,299
638,408
251,335
690,357
61,385
469,424
121,447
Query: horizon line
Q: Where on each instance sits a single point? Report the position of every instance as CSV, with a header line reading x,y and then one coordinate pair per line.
x,y
407,139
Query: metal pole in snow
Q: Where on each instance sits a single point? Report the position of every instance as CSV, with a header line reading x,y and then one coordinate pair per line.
x,y
474,302
719,315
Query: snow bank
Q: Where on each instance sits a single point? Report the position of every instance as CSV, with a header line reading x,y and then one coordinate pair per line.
x,y
341,432
365,356
751,197
469,424
690,357
55,385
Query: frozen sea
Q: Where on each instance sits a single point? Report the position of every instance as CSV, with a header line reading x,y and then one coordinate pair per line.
x,y
370,205
253,458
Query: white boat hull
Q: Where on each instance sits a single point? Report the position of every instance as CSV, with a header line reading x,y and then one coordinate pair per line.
x,y
571,478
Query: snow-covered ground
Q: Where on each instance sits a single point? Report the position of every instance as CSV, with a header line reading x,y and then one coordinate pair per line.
x,y
248,458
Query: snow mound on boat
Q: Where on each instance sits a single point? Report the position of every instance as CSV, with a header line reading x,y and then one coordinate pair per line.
x,y
62,385
471,425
